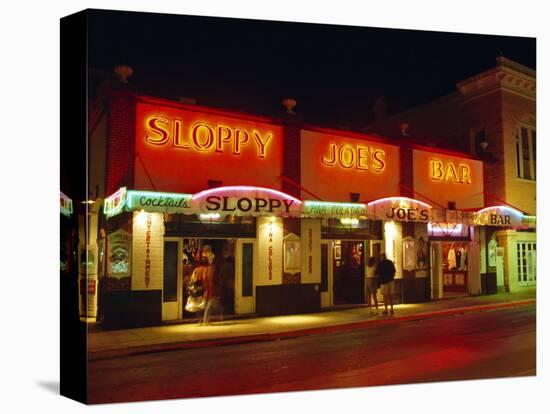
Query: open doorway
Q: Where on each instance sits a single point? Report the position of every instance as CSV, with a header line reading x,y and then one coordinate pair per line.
x,y
349,272
455,268
220,254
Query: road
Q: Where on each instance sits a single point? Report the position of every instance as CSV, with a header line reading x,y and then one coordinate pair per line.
x,y
472,346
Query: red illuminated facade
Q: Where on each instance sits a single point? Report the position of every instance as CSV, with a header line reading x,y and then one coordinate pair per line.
x,y
288,213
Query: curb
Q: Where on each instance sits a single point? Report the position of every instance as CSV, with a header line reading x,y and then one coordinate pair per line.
x,y
264,337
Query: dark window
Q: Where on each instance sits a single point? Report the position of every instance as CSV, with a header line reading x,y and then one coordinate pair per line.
x,y
247,270
170,291
518,156
478,139
526,153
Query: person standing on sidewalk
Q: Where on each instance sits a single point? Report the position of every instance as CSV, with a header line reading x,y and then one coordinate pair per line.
x,y
211,285
386,274
371,285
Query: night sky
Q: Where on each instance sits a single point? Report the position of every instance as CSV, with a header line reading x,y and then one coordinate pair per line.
x,y
334,72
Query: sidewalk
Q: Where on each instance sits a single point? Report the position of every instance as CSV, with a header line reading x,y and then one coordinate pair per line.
x,y
110,344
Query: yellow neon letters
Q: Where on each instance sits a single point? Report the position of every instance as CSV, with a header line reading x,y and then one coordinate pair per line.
x,y
205,137
355,156
448,172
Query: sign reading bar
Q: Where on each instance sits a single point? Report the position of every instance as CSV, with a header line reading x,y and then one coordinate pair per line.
x,y
441,178
502,216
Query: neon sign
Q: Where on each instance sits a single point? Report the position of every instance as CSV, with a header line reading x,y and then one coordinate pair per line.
x,y
355,156
400,208
500,216
114,204
159,202
246,200
66,205
334,210
449,172
203,136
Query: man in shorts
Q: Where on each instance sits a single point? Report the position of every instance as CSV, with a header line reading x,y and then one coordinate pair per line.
x,y
386,274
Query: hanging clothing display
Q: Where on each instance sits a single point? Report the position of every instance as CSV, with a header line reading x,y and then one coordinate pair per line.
x,y
451,259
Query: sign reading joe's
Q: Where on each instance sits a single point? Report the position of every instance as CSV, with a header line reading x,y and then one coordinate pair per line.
x,y
246,201
400,209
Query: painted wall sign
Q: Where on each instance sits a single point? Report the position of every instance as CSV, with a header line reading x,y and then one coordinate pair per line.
x,y
400,209
247,201
119,254
443,178
334,165
182,149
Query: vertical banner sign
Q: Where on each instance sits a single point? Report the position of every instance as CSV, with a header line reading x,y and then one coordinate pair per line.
x,y
269,243
310,230
148,251
270,252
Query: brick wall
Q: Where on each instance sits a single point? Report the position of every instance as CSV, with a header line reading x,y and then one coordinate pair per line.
x,y
291,160
121,142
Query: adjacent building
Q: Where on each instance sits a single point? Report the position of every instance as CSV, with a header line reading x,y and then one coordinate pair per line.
x,y
491,115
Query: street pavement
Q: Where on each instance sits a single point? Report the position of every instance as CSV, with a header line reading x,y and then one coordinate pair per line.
x,y
104,344
475,345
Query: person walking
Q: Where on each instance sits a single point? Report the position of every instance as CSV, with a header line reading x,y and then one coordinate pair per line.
x,y
371,285
211,285
386,274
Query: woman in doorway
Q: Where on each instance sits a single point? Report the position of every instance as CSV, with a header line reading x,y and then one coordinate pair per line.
x,y
371,285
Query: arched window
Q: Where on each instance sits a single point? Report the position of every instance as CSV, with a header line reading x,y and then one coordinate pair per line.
x,y
526,148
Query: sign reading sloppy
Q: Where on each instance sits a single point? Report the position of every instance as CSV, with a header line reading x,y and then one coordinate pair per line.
x,y
247,201
184,146
205,136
